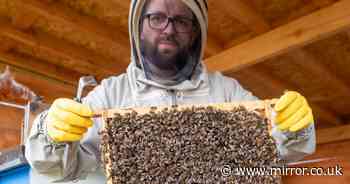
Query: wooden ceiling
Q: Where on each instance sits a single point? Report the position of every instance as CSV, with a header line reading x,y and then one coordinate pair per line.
x,y
268,45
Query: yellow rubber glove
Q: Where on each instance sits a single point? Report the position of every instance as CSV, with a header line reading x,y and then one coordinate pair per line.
x,y
293,112
68,120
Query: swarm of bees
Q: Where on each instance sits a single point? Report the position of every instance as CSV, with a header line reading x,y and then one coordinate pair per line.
x,y
190,145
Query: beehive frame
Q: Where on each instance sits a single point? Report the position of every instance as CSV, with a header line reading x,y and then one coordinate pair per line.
x,y
263,108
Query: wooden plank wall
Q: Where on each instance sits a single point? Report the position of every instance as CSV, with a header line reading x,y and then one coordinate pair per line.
x,y
10,126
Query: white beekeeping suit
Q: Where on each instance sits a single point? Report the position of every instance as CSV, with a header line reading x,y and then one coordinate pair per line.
x,y
79,162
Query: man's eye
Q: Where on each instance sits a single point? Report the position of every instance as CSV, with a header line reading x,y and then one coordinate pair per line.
x,y
183,22
157,18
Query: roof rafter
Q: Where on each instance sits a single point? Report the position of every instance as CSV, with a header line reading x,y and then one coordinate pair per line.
x,y
248,16
329,135
258,25
23,19
43,85
317,25
279,85
111,40
72,56
307,60
213,47
244,13
44,68
5,44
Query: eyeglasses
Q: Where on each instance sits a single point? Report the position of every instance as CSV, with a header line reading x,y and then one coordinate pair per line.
x,y
160,21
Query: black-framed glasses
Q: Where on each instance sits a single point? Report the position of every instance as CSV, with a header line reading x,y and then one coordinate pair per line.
x,y
160,21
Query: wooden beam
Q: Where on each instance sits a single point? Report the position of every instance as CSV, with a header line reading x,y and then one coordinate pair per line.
x,y
9,138
44,86
348,34
329,135
23,19
322,3
34,77
279,85
13,119
101,65
123,4
239,40
307,8
244,13
259,25
308,29
6,44
110,12
213,47
66,54
41,67
114,43
329,116
306,60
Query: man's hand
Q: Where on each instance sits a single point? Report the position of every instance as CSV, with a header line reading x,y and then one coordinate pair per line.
x,y
293,112
68,120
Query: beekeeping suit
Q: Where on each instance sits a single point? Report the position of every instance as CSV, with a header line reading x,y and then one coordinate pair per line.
x,y
79,162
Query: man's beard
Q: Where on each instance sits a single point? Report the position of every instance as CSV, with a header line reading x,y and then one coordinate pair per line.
x,y
173,63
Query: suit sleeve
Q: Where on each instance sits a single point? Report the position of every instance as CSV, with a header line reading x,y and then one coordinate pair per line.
x,y
66,161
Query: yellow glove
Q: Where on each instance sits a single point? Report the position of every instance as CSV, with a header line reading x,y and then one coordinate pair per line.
x,y
293,112
68,120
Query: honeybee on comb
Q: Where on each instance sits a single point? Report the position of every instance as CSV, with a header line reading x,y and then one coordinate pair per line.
x,y
187,145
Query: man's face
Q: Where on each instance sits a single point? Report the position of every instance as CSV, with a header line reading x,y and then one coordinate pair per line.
x,y
166,44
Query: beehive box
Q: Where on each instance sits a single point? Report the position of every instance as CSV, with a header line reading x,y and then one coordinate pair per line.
x,y
189,144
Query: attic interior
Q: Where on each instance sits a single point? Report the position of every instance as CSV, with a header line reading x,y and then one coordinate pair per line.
x,y
268,46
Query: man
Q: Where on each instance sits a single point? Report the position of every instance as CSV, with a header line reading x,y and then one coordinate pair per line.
x,y
168,38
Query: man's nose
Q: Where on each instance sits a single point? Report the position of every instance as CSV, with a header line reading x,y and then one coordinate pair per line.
x,y
170,28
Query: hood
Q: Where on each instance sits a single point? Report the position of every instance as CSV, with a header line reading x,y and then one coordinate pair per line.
x,y
199,9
